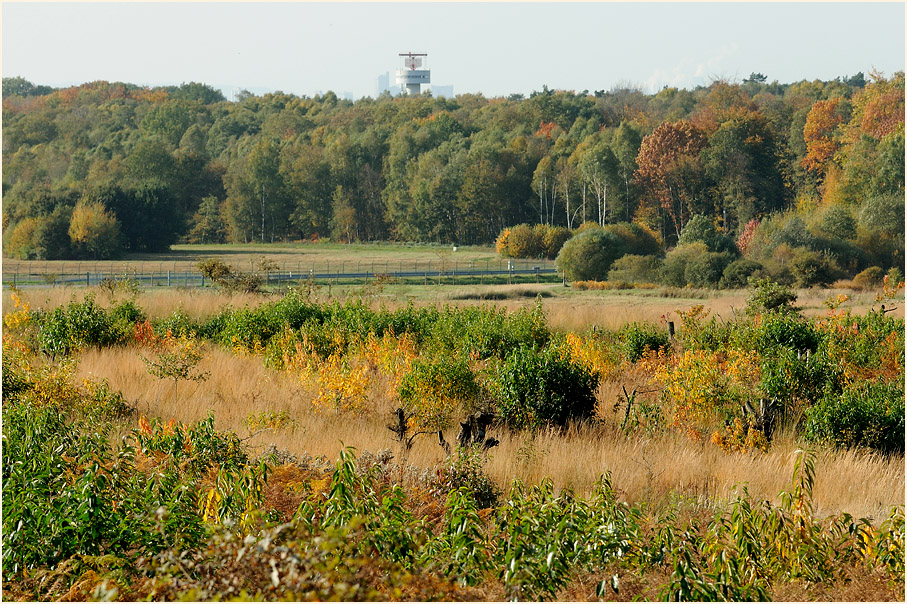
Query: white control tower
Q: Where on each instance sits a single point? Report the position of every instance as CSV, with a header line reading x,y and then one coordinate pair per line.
x,y
412,75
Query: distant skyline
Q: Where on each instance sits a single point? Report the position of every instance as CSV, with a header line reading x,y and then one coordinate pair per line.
x,y
496,49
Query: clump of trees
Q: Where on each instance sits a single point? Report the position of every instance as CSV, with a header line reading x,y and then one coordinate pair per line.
x,y
753,159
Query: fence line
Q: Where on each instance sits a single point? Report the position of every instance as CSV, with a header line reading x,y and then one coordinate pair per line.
x,y
364,271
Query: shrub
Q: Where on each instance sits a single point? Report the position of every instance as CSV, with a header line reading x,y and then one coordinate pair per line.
x,y
736,274
638,338
673,271
706,270
502,243
537,388
65,494
466,471
439,389
225,277
701,228
78,325
768,296
536,241
588,255
525,242
838,221
869,278
813,268
553,239
634,268
867,414
123,317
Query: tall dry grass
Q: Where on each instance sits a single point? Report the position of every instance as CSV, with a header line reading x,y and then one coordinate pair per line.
x,y
651,469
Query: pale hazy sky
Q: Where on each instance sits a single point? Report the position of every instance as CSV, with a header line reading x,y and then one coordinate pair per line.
x,y
494,48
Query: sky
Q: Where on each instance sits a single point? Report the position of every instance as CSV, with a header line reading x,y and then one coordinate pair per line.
x,y
497,49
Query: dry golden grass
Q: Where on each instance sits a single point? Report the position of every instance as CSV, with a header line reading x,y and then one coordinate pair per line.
x,y
654,470
567,309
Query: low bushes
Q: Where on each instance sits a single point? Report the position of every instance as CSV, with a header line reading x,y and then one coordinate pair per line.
x,y
867,415
535,388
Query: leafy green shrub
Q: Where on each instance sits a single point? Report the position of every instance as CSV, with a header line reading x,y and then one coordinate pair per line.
x,y
198,447
588,255
485,332
779,330
638,338
813,268
838,221
75,326
537,388
634,268
227,278
674,269
177,323
736,274
706,270
766,296
65,494
123,317
465,472
866,414
701,228
794,379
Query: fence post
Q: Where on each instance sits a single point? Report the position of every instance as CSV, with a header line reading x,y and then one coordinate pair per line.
x,y
168,277
87,278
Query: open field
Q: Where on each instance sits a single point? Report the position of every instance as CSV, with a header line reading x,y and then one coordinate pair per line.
x,y
300,257
649,469
260,385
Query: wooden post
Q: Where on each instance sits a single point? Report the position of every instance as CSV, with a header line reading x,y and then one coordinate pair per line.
x,y
671,329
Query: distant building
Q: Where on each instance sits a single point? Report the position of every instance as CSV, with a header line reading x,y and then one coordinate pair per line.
x,y
442,91
414,73
383,82
384,85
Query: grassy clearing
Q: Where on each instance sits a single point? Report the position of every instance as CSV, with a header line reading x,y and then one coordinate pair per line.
x,y
656,470
302,256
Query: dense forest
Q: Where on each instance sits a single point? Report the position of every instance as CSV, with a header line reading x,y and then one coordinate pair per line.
x,y
814,167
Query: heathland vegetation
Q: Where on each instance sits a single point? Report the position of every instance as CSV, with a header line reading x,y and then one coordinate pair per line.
x,y
266,447
402,440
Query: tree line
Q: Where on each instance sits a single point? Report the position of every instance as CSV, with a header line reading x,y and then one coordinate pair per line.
x,y
100,169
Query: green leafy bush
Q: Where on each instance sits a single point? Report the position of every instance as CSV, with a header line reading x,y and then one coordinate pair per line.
x,y
637,338
533,389
75,326
588,255
736,275
465,472
867,414
811,268
634,268
701,228
766,296
674,269
65,494
706,270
